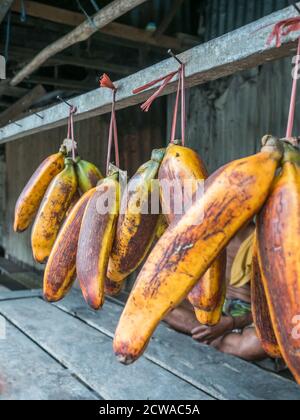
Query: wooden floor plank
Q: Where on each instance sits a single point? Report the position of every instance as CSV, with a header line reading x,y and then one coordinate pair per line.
x,y
22,294
28,373
221,376
88,353
7,266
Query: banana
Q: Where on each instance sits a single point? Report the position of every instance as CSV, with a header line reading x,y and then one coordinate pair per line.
x,y
207,293
278,229
212,318
188,248
112,288
52,211
88,175
60,271
137,226
260,310
183,164
33,193
75,199
180,164
96,238
162,226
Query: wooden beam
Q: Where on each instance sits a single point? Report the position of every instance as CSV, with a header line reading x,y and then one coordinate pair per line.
x,y
4,8
215,59
63,59
81,33
21,105
75,85
167,20
118,30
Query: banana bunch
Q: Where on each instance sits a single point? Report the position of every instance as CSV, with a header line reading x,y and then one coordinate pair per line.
x,y
186,170
278,227
137,225
49,197
233,195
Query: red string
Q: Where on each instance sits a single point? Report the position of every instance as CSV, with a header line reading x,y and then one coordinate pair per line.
x,y
180,89
291,118
113,129
283,28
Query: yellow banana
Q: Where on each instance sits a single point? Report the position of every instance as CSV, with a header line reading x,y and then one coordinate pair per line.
x,y
137,225
188,248
278,230
60,271
212,318
207,293
88,175
96,238
182,165
260,310
33,193
52,211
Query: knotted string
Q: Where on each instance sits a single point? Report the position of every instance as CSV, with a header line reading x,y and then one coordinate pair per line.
x,y
180,89
283,28
113,129
73,111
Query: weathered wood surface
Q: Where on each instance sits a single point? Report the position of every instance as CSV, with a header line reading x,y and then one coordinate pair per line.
x,y
241,49
8,266
29,373
20,294
221,376
87,353
106,15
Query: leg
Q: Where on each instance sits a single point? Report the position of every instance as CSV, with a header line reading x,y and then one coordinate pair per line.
x,y
245,346
182,319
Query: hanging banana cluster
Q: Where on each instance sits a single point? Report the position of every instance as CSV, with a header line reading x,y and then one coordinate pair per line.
x,y
105,236
49,197
185,256
189,259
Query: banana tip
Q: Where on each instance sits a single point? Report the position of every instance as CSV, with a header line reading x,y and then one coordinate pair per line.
x,y
125,359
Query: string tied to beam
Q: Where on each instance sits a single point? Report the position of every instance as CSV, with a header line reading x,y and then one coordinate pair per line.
x,y
105,82
281,29
180,92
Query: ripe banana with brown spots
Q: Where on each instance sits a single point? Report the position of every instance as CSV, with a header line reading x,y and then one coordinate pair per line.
x,y
189,247
88,175
184,168
96,238
52,211
137,226
212,318
260,310
60,271
278,228
33,193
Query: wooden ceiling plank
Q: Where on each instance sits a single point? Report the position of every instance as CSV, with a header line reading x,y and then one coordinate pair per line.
x,y
21,105
81,33
114,29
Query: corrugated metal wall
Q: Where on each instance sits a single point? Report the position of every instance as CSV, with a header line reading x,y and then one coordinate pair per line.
x,y
139,134
222,16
